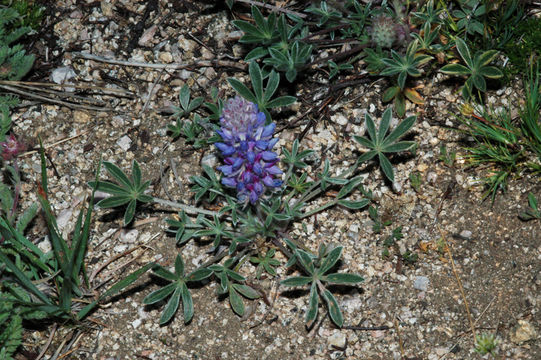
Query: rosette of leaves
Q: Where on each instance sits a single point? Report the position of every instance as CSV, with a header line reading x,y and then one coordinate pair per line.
x,y
476,69
317,270
262,97
126,192
176,290
403,66
379,143
282,46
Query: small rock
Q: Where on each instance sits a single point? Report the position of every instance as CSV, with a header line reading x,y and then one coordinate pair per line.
x,y
81,117
124,142
421,283
337,340
136,323
209,160
523,332
62,75
466,234
165,57
372,108
339,119
129,236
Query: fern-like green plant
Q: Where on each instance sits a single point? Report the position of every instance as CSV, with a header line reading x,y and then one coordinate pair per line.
x,y
14,63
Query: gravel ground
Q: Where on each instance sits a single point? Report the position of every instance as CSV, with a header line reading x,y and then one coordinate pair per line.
x,y
402,310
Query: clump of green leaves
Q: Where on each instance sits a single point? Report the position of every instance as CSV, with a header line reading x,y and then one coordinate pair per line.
x,y
534,212
177,289
509,147
316,269
14,63
527,43
477,68
46,285
379,143
127,192
259,95
486,344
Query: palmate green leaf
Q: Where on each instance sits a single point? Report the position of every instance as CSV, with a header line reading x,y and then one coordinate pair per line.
x,y
354,205
296,281
306,261
179,266
313,304
272,84
117,173
364,141
136,174
236,302
399,131
400,104
108,187
330,260
385,123
257,80
187,303
199,274
256,53
390,93
455,69
479,82
285,100
371,128
485,58
399,146
164,273
242,90
343,279
252,33
160,294
464,52
130,212
113,201
171,307
247,291
334,309
367,156
491,72
386,166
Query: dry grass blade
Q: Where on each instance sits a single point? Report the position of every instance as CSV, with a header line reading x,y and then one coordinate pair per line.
x,y
459,282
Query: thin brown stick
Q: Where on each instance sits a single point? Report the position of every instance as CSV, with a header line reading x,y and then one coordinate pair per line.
x,y
56,143
172,66
49,341
76,86
54,101
274,8
114,258
400,344
459,282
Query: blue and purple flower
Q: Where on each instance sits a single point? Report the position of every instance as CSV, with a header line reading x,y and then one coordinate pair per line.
x,y
250,163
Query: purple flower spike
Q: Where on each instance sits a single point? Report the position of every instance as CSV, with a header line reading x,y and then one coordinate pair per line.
x,y
246,147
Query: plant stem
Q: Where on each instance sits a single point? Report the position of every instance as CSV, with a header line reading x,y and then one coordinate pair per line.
x,y
187,208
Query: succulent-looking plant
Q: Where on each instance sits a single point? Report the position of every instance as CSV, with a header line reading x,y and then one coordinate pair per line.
x,y
386,32
250,163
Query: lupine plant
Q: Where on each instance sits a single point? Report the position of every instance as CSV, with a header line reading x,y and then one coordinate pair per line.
x,y
259,196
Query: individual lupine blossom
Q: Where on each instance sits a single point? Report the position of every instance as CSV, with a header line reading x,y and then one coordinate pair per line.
x,y
11,147
250,164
